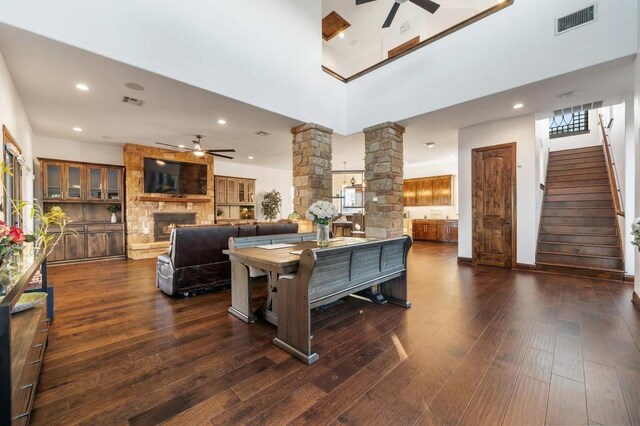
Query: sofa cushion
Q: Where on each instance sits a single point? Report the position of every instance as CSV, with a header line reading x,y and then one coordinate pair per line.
x,y
247,231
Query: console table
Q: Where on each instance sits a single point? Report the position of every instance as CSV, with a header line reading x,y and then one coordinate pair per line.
x,y
23,335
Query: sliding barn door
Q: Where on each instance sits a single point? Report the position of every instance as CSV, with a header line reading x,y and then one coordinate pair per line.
x,y
494,198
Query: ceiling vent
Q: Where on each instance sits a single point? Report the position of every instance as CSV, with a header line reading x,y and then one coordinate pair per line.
x,y
132,101
262,133
578,108
576,19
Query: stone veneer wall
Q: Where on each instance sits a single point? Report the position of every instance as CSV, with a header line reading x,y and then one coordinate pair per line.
x,y
384,177
312,178
141,244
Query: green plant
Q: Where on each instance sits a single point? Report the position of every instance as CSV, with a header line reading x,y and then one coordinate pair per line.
x,y
114,208
271,204
54,217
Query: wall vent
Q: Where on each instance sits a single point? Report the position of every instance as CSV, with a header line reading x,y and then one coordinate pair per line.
x,y
262,133
576,19
132,101
578,108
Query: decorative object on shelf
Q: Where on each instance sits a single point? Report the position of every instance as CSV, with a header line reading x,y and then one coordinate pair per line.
x,y
321,213
271,204
245,213
219,212
294,217
29,300
114,208
635,231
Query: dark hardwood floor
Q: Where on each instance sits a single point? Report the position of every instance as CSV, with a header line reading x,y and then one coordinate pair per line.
x,y
480,345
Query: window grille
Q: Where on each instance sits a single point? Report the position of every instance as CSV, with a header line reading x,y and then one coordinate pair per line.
x,y
569,124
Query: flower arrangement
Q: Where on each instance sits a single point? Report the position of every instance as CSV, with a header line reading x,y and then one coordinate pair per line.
x,y
321,212
11,239
635,231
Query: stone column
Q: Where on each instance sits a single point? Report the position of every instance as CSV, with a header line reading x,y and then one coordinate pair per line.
x,y
311,165
384,179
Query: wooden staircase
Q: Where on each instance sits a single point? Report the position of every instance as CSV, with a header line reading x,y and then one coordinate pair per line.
x,y
579,232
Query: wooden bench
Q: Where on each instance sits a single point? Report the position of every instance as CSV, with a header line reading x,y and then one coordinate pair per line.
x,y
241,285
327,275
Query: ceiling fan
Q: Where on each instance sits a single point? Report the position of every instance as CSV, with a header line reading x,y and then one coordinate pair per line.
x,y
197,148
427,5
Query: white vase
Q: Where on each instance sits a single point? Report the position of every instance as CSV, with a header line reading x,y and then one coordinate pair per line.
x,y
114,219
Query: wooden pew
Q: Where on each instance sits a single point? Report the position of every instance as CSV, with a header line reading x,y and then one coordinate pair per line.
x,y
327,275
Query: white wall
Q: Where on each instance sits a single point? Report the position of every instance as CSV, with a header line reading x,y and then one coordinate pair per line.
x,y
628,173
13,116
487,57
64,149
426,169
267,179
636,143
522,131
265,53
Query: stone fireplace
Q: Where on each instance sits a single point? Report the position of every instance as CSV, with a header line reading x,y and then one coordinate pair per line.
x,y
163,223
147,236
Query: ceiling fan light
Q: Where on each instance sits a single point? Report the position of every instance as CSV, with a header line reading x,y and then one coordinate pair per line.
x,y
198,153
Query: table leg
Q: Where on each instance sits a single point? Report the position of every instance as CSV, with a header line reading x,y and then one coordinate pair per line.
x,y
241,293
270,306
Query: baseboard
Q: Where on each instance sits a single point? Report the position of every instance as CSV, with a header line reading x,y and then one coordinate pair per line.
x,y
629,278
635,299
526,267
465,260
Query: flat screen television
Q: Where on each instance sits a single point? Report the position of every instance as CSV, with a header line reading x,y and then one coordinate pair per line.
x,y
172,177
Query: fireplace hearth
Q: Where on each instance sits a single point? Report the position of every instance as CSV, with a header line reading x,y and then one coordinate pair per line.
x,y
165,222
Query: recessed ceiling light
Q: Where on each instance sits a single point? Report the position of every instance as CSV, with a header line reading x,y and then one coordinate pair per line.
x,y
180,146
250,157
82,86
341,35
134,86
430,144
518,106
77,129
222,121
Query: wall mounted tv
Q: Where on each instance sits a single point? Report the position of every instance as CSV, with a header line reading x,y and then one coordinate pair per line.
x,y
172,177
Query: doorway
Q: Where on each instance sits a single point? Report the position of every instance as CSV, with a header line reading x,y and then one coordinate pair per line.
x,y
494,205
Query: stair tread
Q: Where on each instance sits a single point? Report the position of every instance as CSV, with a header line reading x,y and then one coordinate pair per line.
x,y
594,256
573,234
560,243
570,265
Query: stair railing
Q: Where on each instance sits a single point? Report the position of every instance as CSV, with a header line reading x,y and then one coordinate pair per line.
x,y
614,182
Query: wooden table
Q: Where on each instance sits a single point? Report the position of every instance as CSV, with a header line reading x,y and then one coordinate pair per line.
x,y
275,262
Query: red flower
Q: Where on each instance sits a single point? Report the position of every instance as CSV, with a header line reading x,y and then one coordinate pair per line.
x,y
16,235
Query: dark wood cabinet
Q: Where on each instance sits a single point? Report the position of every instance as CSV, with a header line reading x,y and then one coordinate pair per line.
x,y
63,181
235,198
435,230
429,191
105,240
103,183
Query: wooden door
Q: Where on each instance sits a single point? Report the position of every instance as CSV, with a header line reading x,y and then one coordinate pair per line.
x,y
73,180
426,186
409,193
221,190
431,231
115,244
494,200
52,180
96,244
446,190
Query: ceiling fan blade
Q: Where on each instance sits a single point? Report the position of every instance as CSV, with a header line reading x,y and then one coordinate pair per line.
x,y
219,150
392,14
220,155
172,146
363,1
427,5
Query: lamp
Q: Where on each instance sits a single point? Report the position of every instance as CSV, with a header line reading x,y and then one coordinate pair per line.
x,y
353,180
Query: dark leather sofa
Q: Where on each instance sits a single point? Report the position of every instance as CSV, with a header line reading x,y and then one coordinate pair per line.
x,y
195,260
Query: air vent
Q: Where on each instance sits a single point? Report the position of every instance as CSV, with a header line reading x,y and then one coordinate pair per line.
x,y
262,133
132,101
578,108
576,19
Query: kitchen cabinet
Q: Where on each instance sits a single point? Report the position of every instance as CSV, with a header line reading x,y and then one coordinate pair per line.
x,y
435,230
105,240
63,181
235,198
72,246
429,191
103,183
